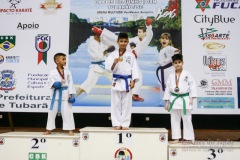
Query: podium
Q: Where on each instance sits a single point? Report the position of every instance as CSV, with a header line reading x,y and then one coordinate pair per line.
x,y
135,143
36,146
205,150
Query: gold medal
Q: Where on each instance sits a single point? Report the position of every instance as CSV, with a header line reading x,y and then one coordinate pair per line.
x,y
120,59
63,81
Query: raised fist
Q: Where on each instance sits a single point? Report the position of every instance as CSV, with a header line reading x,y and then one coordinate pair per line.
x,y
96,30
148,21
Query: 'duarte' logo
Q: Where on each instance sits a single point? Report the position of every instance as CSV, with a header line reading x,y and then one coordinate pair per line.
x,y
42,44
123,154
7,80
203,4
7,42
213,34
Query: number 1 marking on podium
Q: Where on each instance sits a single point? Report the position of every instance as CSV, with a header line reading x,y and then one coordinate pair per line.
x,y
126,136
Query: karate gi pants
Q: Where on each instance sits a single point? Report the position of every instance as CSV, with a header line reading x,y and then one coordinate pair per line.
x,y
66,113
188,133
121,104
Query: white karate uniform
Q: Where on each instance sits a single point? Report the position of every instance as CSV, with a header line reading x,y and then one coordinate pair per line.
x,y
109,38
95,49
66,107
186,85
121,101
165,58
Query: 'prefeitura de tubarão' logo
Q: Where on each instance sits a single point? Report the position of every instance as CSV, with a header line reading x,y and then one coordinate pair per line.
x,y
7,80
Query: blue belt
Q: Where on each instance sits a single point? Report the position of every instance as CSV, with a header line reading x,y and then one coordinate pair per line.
x,y
59,99
125,77
100,63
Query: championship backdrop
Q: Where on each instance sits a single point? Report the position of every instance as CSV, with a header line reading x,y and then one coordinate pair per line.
x,y
31,32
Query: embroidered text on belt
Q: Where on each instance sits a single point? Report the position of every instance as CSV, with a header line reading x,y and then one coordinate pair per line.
x,y
59,98
125,77
161,68
184,102
100,63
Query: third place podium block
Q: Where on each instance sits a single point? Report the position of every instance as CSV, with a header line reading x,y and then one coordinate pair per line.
x,y
205,150
133,144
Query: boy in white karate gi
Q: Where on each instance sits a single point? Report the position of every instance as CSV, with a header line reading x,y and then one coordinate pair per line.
x,y
141,41
61,83
180,91
122,63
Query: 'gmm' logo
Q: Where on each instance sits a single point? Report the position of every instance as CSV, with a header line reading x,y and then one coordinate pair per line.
x,y
7,42
203,4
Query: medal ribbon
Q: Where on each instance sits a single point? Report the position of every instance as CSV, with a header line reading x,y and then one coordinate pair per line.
x,y
61,74
177,79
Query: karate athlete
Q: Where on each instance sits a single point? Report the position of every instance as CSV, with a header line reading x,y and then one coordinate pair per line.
x,y
98,53
61,83
180,91
122,63
141,42
165,62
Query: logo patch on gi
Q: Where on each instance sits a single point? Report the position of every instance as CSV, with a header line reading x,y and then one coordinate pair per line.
x,y
7,42
7,80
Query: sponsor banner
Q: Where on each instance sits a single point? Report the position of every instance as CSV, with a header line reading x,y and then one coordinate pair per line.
x,y
212,56
32,32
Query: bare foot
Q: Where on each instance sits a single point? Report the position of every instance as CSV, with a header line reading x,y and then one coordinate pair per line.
x,y
47,132
70,133
174,141
117,128
125,128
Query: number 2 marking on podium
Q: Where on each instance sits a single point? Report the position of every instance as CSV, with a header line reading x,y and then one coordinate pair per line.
x,y
120,140
37,144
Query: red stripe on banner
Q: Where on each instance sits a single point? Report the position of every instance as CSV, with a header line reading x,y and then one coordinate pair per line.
x,y
40,57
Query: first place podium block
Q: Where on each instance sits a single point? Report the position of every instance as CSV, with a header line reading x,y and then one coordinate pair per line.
x,y
133,144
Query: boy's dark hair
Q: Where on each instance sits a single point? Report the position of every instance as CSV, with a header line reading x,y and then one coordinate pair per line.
x,y
122,35
58,55
177,57
142,28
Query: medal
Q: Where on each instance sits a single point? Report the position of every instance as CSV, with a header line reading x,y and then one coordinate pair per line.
x,y
63,81
120,59
177,82
62,75
176,89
